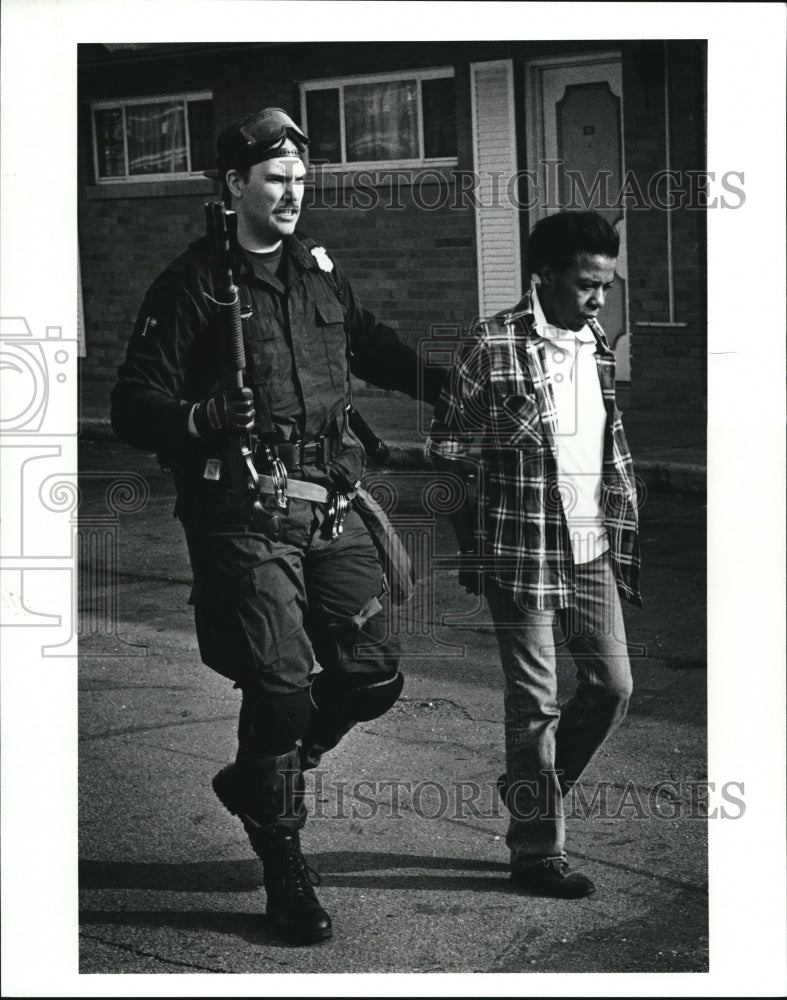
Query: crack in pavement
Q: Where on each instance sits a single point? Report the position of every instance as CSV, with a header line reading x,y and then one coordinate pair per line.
x,y
693,887
182,753
486,828
129,730
470,748
516,946
430,703
142,953
700,890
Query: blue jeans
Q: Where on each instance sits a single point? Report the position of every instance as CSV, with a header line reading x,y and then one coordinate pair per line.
x,y
548,745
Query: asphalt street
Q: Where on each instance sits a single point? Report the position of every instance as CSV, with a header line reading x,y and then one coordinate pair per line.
x,y
407,830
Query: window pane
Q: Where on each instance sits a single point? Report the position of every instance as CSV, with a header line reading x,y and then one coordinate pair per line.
x,y
439,117
322,118
156,138
109,143
203,153
381,121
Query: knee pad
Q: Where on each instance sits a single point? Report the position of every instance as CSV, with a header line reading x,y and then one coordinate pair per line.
x,y
373,700
338,703
355,701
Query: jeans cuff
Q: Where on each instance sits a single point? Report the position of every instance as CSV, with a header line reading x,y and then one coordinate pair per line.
x,y
535,862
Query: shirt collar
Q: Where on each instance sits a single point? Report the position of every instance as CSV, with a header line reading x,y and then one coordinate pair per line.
x,y
547,332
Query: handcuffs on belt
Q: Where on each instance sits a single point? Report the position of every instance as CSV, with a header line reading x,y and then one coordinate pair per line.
x,y
336,504
279,477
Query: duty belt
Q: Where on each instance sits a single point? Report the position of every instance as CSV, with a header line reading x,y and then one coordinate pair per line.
x,y
295,454
288,457
297,489
336,504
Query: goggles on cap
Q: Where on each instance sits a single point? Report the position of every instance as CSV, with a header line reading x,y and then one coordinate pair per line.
x,y
267,128
255,139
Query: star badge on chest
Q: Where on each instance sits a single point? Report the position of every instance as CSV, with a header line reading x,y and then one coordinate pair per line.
x,y
324,262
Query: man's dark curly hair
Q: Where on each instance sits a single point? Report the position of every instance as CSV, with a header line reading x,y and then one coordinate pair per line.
x,y
556,240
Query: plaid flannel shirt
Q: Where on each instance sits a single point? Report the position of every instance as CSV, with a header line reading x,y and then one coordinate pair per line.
x,y
499,395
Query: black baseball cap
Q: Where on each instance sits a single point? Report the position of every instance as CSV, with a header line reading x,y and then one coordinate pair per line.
x,y
254,139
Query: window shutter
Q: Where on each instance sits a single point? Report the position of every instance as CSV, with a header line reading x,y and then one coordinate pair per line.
x,y
494,156
81,345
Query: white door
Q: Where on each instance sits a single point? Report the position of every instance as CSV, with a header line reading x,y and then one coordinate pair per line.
x,y
575,149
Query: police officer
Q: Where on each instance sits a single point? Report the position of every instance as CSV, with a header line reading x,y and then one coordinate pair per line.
x,y
277,592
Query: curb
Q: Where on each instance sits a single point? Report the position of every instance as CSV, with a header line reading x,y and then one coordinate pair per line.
x,y
95,429
672,477
658,475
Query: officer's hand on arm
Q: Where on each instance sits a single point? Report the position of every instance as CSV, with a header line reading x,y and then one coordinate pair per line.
x,y
345,472
226,409
447,452
471,572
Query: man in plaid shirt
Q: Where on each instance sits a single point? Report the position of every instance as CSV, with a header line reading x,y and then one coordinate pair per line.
x,y
552,539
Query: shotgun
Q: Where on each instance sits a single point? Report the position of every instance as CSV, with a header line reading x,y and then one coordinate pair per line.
x,y
244,481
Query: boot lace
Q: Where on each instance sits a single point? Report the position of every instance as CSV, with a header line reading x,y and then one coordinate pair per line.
x,y
303,876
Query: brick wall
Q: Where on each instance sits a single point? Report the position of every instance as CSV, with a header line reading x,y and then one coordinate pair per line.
x,y
124,243
414,266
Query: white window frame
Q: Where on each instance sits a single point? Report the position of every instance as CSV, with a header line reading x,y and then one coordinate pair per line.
x,y
339,83
128,102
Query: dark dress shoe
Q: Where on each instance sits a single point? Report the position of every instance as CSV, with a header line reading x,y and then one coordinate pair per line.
x,y
551,878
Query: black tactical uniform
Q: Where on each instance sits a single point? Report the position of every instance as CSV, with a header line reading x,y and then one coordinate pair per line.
x,y
265,609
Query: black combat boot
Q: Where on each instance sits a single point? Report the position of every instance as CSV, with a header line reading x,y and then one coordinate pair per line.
x,y
266,794
293,907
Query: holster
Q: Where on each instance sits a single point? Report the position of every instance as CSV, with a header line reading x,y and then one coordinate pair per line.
x,y
392,553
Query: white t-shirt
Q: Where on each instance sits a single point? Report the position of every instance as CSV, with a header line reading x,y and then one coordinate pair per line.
x,y
581,421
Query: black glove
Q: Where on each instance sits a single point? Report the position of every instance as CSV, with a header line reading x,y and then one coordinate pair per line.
x,y
226,409
471,572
